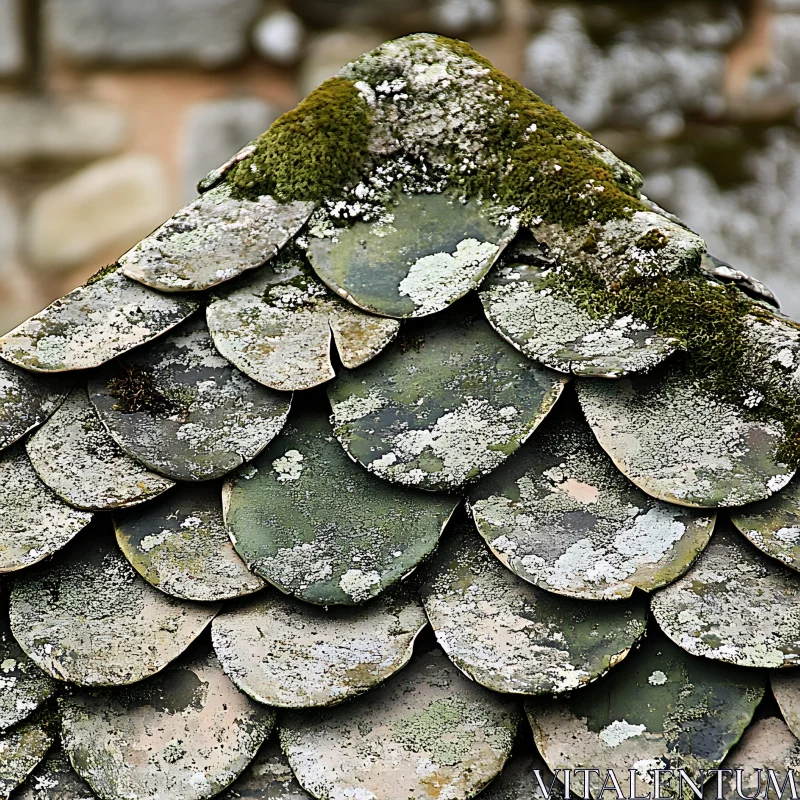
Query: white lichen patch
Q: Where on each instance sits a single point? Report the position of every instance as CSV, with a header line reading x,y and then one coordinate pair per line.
x,y
93,324
445,411
77,458
432,279
563,517
619,731
187,734
514,638
154,540
426,724
773,525
217,419
179,544
213,239
463,442
334,533
357,406
290,654
90,619
723,457
554,330
289,467
421,254
360,585
658,678
734,605
34,521
279,327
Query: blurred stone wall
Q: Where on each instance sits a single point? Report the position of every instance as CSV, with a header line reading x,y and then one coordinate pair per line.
x,y
110,110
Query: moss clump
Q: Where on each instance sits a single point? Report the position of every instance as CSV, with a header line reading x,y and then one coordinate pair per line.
x,y
180,396
708,321
136,391
541,162
311,152
653,240
110,269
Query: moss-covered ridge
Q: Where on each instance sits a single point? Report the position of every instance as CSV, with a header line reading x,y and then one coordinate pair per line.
x,y
311,152
424,113
712,323
439,106
543,163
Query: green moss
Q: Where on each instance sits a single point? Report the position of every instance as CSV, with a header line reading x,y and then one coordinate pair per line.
x,y
438,730
708,321
180,396
311,152
136,391
101,273
653,240
590,244
541,162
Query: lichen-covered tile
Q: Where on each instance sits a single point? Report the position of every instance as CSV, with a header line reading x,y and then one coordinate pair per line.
x,y
94,323
427,729
34,521
734,605
320,527
76,457
179,544
290,654
183,410
680,443
186,734
416,256
23,686
26,400
213,239
773,525
22,748
55,779
88,618
561,515
447,404
661,708
513,637
551,327
279,327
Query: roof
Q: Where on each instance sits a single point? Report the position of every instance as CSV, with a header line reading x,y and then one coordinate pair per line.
x,y
420,449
